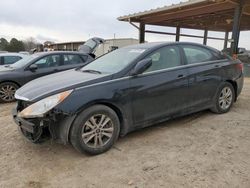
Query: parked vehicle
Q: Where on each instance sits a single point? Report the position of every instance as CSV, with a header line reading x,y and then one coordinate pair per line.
x,y
91,44
243,54
10,58
24,53
127,89
41,64
34,66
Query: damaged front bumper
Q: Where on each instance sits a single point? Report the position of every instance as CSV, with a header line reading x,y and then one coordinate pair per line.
x,y
55,126
22,123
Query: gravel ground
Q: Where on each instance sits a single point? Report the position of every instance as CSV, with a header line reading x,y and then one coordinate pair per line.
x,y
200,150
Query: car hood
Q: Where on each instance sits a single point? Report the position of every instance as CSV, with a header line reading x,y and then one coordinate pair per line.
x,y
58,82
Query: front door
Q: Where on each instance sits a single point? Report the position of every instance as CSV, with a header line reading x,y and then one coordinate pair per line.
x,y
45,66
160,92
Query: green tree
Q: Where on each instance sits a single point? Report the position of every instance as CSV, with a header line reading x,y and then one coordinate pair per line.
x,y
3,44
15,45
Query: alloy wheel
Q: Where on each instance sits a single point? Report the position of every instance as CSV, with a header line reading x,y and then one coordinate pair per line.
x,y
226,98
97,131
7,93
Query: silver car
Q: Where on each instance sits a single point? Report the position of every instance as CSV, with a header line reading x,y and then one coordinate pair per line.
x,y
10,58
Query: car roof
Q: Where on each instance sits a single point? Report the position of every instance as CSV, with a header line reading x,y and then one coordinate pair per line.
x,y
158,44
153,45
58,52
148,45
12,54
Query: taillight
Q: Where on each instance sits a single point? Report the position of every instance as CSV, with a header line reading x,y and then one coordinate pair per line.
x,y
240,66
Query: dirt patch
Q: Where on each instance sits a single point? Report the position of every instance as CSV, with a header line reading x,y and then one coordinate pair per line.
x,y
201,150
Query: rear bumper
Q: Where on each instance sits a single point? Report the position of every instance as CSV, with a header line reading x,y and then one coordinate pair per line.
x,y
240,83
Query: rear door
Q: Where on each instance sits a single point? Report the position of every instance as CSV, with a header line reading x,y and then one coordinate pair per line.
x,y
160,91
205,74
46,65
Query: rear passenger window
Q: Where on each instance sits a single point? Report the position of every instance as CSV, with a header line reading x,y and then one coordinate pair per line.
x,y
72,59
196,54
11,59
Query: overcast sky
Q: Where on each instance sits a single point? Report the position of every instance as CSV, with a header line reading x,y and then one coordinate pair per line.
x,y
74,20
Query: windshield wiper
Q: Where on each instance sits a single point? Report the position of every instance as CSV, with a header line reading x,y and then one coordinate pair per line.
x,y
92,71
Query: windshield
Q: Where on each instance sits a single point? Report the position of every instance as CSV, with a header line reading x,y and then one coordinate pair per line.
x,y
24,61
115,61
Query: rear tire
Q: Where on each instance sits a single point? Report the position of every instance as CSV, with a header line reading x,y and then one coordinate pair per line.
x,y
95,130
7,92
224,100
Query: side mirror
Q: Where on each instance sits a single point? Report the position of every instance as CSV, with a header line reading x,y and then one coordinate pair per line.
x,y
33,67
141,66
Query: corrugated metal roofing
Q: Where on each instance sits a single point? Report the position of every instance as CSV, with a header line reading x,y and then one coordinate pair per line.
x,y
214,15
156,10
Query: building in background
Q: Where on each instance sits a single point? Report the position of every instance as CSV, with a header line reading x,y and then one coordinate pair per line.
x,y
107,46
113,44
66,46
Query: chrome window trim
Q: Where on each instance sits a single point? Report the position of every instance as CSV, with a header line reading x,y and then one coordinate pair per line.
x,y
185,66
154,72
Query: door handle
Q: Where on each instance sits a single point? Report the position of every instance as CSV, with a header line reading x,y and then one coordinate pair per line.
x,y
217,66
180,76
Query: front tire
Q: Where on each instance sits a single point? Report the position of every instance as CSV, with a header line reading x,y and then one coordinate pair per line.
x,y
7,92
224,98
95,130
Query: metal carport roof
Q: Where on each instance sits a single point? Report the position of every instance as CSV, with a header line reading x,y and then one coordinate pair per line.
x,y
214,15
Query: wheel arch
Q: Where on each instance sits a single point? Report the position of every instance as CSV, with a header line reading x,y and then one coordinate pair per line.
x,y
116,109
10,81
68,126
234,84
214,107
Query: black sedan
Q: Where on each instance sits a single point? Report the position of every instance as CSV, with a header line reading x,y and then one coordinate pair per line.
x,y
31,67
129,88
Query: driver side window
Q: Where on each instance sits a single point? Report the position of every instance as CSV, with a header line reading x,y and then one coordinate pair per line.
x,y
163,58
48,61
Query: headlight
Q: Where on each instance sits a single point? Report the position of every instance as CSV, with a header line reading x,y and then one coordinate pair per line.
x,y
41,107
